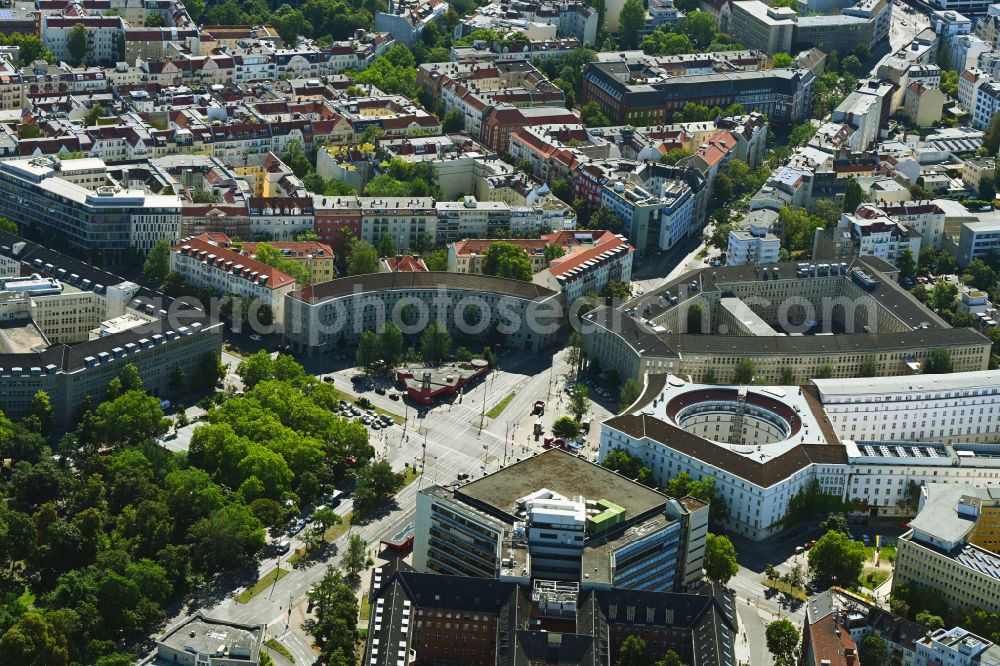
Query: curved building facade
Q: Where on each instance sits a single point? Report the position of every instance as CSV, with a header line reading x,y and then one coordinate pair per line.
x,y
334,314
793,321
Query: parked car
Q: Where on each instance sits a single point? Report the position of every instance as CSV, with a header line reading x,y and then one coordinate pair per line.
x,y
255,337
297,527
380,390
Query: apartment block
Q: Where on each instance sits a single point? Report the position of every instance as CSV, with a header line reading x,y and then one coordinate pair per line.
x,y
405,20
639,92
203,262
753,242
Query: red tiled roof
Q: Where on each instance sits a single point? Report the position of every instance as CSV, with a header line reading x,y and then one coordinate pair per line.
x,y
407,264
605,243
472,246
275,278
830,644
297,249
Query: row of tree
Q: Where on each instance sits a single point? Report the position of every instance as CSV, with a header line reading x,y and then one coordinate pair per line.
x,y
104,544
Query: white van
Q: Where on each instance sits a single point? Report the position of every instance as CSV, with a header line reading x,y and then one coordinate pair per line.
x,y
284,547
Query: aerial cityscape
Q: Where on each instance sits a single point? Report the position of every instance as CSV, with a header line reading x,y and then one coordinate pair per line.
x,y
499,332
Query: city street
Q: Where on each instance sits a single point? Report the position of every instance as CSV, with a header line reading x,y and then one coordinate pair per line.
x,y
454,444
459,439
905,25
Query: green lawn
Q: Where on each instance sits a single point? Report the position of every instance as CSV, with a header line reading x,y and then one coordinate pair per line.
x,y
336,531
261,585
366,609
410,475
886,553
785,588
872,578
275,645
500,406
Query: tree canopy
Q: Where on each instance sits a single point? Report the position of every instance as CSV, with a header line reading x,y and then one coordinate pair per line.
x,y
836,559
507,260
720,559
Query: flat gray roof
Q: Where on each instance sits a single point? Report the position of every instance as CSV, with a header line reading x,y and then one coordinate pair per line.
x,y
566,474
940,518
21,337
214,637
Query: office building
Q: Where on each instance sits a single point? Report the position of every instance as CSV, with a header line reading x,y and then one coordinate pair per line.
x,y
75,203
762,445
74,335
551,517
657,204
952,545
203,641
759,26
633,90
827,316
977,240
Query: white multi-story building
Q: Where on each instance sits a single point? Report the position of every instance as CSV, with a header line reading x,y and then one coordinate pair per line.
x,y
406,19
785,438
280,218
966,51
969,82
470,218
961,407
947,551
987,104
867,233
76,202
753,242
927,218
956,647
104,34
200,262
658,210
863,112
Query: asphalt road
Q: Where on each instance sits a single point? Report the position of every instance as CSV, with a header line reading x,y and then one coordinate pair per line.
x,y
454,444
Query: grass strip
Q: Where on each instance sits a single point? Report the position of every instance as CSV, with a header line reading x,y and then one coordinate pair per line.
x,y
275,644
270,578
500,406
